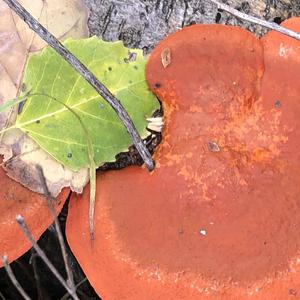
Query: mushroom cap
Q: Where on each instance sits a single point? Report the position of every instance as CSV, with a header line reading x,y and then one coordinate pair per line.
x,y
16,199
220,214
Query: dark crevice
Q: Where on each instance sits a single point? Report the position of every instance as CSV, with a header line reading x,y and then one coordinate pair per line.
x,y
277,20
107,18
186,6
218,17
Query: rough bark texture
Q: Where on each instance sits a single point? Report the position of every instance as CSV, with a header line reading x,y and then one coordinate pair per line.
x,y
143,23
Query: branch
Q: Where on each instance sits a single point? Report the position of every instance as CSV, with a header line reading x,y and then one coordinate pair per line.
x,y
89,77
49,198
43,256
270,25
65,296
13,278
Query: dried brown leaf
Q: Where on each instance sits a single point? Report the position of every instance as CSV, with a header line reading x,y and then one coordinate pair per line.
x,y
166,57
64,18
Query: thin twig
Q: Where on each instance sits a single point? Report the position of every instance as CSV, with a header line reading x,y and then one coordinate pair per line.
x,y
66,295
43,256
38,285
2,297
49,198
267,24
13,278
89,77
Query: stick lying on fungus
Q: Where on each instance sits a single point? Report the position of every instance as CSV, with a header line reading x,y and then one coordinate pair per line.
x,y
229,156
39,216
97,85
16,199
41,253
88,76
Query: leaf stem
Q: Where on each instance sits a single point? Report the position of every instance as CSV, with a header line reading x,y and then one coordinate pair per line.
x,y
7,129
89,77
255,20
93,181
92,166
49,198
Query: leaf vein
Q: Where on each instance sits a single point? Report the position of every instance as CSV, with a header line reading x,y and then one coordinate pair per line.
x,y
67,142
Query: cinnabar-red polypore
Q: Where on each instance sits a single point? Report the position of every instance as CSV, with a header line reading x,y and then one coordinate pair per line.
x,y
219,217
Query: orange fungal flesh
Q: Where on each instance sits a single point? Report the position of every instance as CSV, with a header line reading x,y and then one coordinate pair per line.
x,y
220,214
16,199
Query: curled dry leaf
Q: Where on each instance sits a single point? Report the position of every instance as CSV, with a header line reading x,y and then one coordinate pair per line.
x,y
64,18
26,153
67,18
12,58
206,224
166,57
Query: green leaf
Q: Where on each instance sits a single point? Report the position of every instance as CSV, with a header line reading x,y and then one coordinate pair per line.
x,y
57,130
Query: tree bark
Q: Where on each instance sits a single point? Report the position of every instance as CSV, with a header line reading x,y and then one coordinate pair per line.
x,y
143,23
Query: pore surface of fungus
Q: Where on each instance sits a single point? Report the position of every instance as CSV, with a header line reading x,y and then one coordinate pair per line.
x,y
16,199
220,215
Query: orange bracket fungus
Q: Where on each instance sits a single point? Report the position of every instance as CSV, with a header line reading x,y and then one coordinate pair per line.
x,y
16,199
219,217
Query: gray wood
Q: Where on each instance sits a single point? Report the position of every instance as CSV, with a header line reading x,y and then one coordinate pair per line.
x,y
142,23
